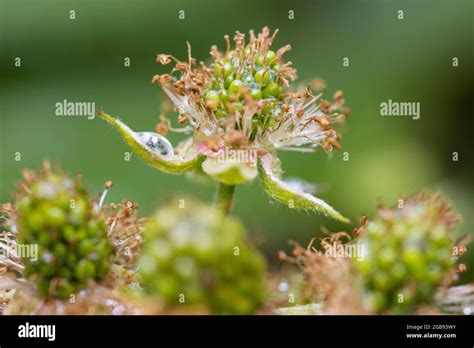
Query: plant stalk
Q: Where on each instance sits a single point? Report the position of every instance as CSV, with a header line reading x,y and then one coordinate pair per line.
x,y
224,197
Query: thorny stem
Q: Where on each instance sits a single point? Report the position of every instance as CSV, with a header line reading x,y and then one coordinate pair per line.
x,y
224,196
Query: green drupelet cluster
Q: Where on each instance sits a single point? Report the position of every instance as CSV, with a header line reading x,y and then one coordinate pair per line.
x,y
237,75
55,214
196,257
408,254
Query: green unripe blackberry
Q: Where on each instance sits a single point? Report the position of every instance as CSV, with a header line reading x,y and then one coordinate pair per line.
x,y
408,253
56,215
195,256
244,100
252,70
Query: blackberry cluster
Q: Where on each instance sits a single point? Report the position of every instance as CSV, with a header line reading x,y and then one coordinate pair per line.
x,y
196,257
408,253
56,215
247,74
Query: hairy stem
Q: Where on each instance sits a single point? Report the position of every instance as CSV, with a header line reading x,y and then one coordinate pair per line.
x,y
224,196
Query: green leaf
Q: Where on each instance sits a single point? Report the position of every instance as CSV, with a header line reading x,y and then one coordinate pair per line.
x,y
289,195
155,149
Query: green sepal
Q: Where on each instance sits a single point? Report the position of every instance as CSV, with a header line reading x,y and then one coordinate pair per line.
x,y
169,163
284,193
229,173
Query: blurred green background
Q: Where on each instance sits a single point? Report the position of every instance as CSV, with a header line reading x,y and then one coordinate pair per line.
x,y
402,60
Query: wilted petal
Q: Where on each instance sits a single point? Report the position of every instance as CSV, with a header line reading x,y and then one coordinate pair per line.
x,y
290,195
229,173
155,149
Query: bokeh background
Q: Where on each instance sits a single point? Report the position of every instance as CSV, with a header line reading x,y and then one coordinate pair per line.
x,y
403,60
